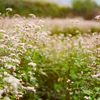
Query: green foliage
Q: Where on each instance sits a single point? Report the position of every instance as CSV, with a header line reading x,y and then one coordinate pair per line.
x,y
83,7
95,29
74,31
40,9
66,31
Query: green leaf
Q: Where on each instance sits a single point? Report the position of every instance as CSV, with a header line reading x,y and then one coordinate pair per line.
x,y
33,79
75,98
88,92
57,86
73,74
97,88
77,63
43,73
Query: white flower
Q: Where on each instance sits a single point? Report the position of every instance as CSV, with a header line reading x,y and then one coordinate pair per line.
x,y
6,90
17,15
6,98
2,31
8,79
95,76
14,85
32,64
68,80
6,74
97,17
11,79
31,89
32,15
34,68
0,75
16,61
10,67
14,82
14,74
9,9
18,96
41,22
1,92
15,91
87,97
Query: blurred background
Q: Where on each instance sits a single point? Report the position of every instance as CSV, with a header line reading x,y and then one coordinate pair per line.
x,y
58,15
86,9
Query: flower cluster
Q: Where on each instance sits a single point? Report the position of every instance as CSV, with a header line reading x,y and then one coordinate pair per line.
x,y
28,54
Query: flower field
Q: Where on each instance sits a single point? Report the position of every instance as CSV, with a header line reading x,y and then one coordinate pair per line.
x,y
38,65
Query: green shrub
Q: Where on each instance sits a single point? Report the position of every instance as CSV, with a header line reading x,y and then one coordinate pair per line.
x,y
81,6
85,8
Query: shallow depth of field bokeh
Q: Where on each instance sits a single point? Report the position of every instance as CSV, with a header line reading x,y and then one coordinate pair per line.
x,y
49,51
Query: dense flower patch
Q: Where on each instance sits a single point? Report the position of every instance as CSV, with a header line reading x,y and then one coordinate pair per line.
x,y
35,65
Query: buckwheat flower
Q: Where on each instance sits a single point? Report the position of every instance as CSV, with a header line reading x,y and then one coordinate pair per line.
x,y
16,61
32,15
14,85
95,76
41,23
68,80
0,75
6,74
97,17
10,67
87,97
3,46
16,92
1,92
6,98
7,59
75,21
71,93
9,9
30,72
6,89
10,79
31,89
34,68
12,54
2,31
30,46
17,15
14,74
23,74
32,64
19,96
37,27
72,82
